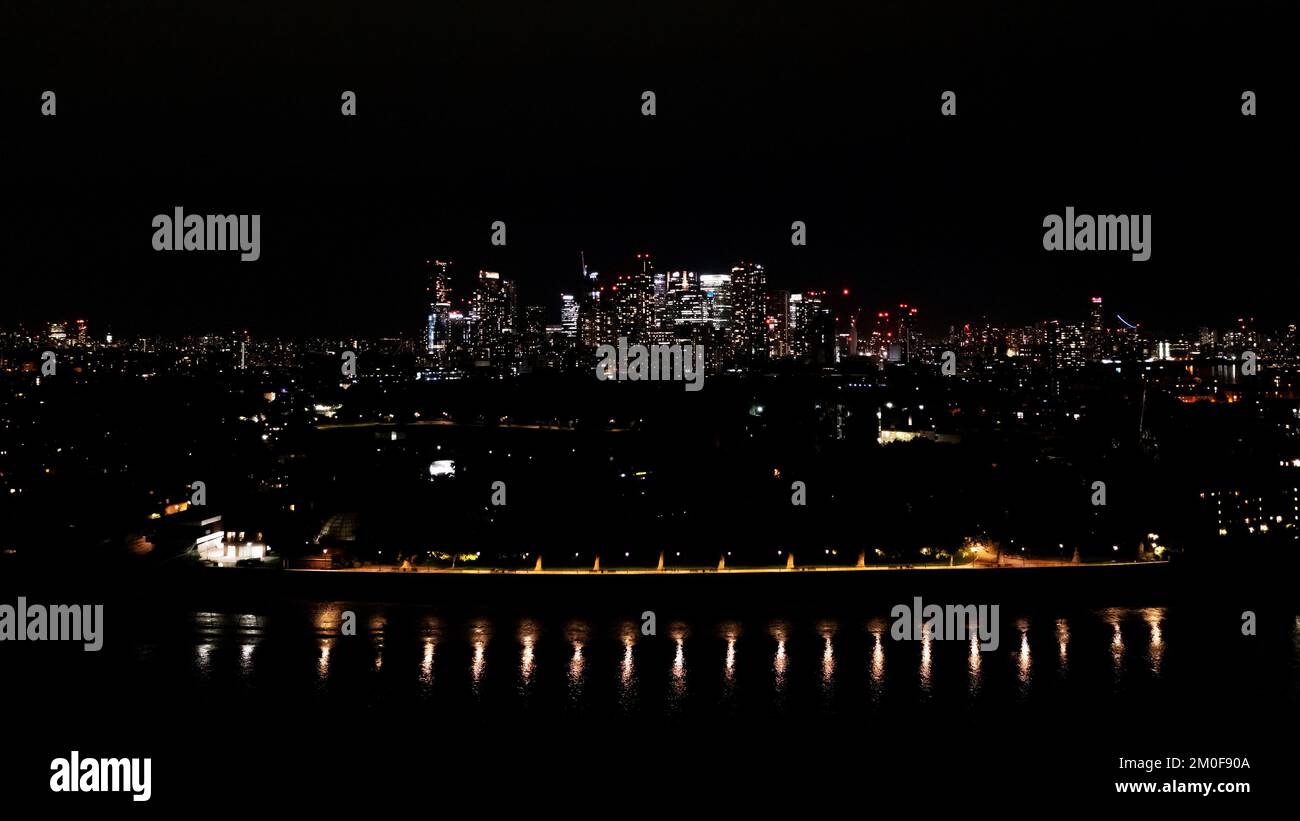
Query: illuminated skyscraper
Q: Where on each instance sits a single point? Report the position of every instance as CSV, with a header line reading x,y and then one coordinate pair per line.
x,y
716,289
821,329
533,337
1097,317
812,328
749,343
683,302
493,317
906,334
438,294
777,322
798,321
589,322
1095,335
882,335
631,299
569,315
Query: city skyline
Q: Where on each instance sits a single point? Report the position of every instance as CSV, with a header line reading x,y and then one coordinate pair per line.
x,y
718,409
563,311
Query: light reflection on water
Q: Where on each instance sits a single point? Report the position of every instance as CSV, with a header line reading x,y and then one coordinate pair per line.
x,y
877,629
577,634
730,632
203,660
1128,647
426,664
575,672
1024,662
827,631
377,626
780,630
328,617
677,687
1156,648
927,661
431,634
1112,617
627,689
1062,644
323,662
480,633
529,630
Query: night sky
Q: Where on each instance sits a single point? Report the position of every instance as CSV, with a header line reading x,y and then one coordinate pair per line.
x,y
530,113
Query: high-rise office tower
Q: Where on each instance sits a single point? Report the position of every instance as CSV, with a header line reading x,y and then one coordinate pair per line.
x,y
798,320
1096,316
812,328
716,289
821,330
906,334
632,300
749,342
437,291
589,323
533,336
1095,336
493,317
569,315
777,322
683,303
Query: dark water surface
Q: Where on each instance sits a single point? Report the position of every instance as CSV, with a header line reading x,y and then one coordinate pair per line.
x,y
294,655
413,658
245,693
